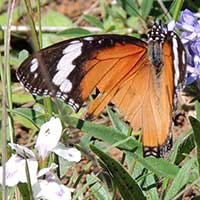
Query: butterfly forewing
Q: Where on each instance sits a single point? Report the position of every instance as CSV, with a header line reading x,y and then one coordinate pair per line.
x,y
71,69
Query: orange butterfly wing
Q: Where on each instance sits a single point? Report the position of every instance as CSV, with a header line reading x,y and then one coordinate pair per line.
x,y
148,105
132,86
112,68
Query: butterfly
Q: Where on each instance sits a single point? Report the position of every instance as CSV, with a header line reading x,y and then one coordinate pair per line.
x,y
141,78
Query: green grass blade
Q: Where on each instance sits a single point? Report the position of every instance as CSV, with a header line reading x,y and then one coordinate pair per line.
x,y
197,108
182,147
196,130
93,21
180,180
104,133
158,166
75,32
116,122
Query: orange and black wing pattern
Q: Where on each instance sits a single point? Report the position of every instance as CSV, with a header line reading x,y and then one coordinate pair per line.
x,y
140,78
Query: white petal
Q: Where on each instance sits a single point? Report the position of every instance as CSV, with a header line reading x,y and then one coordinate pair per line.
x,y
51,191
32,167
12,173
70,154
171,25
22,150
48,137
47,169
15,170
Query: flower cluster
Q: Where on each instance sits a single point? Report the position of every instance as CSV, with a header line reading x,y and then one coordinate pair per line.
x,y
44,183
190,25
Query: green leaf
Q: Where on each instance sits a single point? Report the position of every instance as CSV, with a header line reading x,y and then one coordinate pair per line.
x,y
53,18
104,133
17,13
130,7
116,122
197,108
146,8
51,38
24,190
180,180
93,21
29,117
196,130
75,32
182,147
23,55
150,187
97,188
128,187
176,8
21,96
118,12
158,166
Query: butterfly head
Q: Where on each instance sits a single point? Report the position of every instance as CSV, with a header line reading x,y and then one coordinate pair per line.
x,y
156,33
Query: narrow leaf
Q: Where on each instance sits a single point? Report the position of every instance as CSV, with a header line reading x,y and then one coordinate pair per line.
x,y
180,180
74,32
128,187
116,122
182,147
146,7
196,130
104,133
158,166
197,108
23,188
93,21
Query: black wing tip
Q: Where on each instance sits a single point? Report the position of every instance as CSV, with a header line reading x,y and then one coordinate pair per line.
x,y
159,151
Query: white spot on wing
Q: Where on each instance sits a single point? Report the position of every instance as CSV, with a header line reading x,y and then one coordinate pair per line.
x,y
71,101
64,96
74,105
65,65
72,47
176,60
34,65
88,38
45,92
183,57
35,75
66,86
74,41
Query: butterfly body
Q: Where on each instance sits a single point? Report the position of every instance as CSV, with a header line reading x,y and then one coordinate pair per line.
x,y
140,78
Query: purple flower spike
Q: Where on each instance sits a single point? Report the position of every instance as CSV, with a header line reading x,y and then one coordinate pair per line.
x,y
190,25
187,17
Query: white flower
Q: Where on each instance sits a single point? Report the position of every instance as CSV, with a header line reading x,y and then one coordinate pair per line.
x,y
70,154
50,188
48,137
45,170
16,166
48,141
